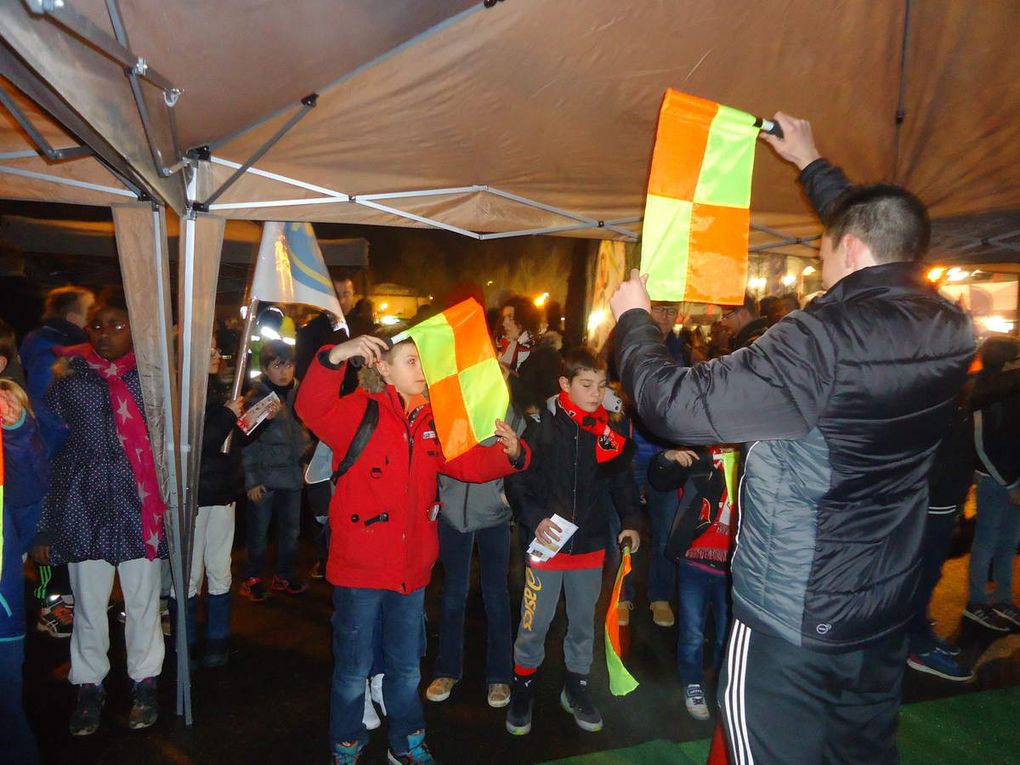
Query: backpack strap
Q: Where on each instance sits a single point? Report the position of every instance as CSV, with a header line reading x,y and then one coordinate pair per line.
x,y
369,421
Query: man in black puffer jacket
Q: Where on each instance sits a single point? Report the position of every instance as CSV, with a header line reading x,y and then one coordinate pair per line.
x,y
844,405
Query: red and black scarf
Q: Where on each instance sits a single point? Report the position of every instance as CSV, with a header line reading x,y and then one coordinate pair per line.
x,y
608,443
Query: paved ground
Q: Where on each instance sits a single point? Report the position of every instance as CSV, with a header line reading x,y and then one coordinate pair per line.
x,y
270,704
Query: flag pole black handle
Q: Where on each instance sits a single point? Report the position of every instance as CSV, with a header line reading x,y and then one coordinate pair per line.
x,y
359,361
769,126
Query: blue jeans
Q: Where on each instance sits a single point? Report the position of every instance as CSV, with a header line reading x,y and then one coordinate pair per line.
x,y
286,504
355,615
698,589
662,507
493,563
995,541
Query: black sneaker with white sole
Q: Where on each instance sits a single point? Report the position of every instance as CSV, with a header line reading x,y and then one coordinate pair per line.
x,y
1008,613
986,617
576,699
518,715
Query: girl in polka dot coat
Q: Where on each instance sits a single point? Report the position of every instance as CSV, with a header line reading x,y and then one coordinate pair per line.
x,y
102,514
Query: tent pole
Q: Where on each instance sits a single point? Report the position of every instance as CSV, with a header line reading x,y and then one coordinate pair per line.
x,y
307,104
901,113
71,152
66,181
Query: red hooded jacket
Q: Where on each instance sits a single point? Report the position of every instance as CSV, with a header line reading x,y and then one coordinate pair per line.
x,y
392,484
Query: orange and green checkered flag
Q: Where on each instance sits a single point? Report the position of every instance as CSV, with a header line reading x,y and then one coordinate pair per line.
x,y
466,385
621,682
697,214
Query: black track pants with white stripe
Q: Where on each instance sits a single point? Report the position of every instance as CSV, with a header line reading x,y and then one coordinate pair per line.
x,y
788,705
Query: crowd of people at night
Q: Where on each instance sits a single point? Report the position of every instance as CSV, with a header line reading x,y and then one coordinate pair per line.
x,y
841,438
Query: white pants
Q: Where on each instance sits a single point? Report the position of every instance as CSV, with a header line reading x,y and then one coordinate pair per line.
x,y
92,583
214,539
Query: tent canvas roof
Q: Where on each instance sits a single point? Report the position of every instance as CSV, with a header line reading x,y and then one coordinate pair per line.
x,y
554,103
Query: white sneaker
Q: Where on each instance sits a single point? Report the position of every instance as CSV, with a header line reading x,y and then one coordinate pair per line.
x,y
695,701
377,697
370,718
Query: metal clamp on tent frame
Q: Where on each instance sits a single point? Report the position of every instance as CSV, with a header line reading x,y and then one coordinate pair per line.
x,y
307,104
54,155
81,27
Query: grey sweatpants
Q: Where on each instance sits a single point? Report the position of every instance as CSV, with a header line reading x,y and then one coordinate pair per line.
x,y
538,607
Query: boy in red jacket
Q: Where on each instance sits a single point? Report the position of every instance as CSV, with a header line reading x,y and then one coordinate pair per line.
x,y
384,540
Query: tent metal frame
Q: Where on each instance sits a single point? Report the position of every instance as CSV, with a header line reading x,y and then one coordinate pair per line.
x,y
331,196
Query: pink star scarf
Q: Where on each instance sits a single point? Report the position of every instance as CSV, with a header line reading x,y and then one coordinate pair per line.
x,y
133,435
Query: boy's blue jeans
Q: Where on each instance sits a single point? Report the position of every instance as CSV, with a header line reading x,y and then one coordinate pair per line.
x,y
698,589
995,540
662,507
455,549
286,504
355,615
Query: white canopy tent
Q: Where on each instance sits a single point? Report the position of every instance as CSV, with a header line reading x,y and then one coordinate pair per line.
x,y
493,119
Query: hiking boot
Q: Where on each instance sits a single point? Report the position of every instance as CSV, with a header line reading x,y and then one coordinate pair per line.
x,y
623,613
56,617
986,617
289,586
144,704
254,589
370,717
347,753
576,699
440,688
88,710
417,753
694,700
1008,613
518,716
375,682
499,695
662,614
938,664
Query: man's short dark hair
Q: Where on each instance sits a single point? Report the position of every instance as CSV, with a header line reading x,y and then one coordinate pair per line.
x,y
890,220
526,315
768,304
275,350
582,359
63,300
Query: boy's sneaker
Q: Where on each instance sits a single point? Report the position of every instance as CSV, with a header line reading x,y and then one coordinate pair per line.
x,y
88,710
576,699
144,704
347,754
986,617
254,589
938,664
417,753
499,695
289,586
56,617
623,613
440,688
318,570
944,646
370,717
1009,613
375,683
518,716
694,700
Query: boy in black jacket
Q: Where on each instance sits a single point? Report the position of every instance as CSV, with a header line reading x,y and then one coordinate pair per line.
x,y
580,468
